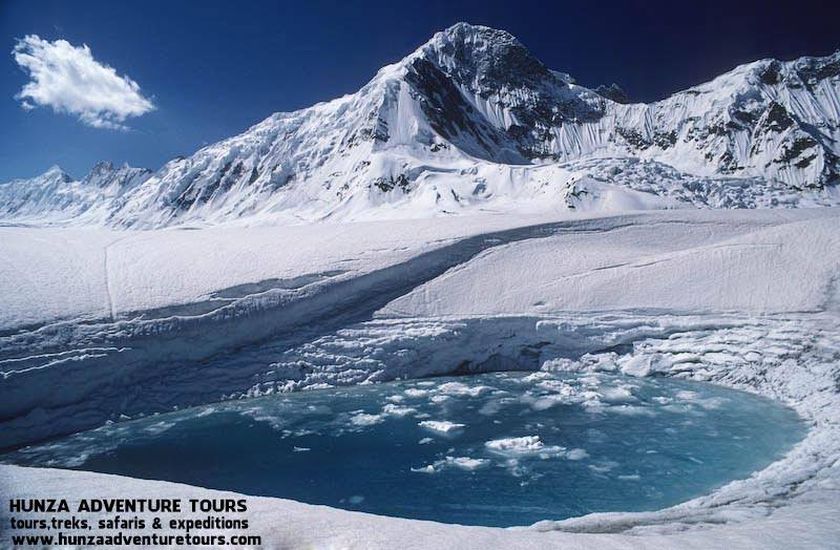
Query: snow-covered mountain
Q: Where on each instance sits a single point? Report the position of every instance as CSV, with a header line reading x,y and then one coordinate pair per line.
x,y
55,196
472,120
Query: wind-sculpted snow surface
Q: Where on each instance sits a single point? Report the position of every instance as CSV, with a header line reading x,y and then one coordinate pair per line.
x,y
702,266
472,121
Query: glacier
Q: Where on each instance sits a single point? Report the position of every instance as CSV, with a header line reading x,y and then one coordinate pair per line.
x,y
743,298
695,237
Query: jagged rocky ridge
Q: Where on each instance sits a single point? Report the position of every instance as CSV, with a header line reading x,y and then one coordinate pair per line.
x,y
472,120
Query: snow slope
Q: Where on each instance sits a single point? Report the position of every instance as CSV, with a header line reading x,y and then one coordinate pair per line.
x,y
472,121
709,266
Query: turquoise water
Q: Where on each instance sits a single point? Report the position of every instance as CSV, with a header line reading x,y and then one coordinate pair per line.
x,y
498,449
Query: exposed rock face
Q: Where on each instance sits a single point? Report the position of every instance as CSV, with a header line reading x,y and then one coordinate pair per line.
x,y
613,92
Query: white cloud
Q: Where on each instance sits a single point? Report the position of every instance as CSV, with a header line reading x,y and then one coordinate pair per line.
x,y
69,80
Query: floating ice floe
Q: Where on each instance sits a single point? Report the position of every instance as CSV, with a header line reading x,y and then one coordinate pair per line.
x,y
527,445
458,462
397,410
441,426
619,394
364,419
462,390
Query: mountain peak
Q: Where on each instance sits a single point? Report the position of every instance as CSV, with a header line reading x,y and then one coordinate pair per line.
x,y
613,92
467,32
102,167
56,172
483,57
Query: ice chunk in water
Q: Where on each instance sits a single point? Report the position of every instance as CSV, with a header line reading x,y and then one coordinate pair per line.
x,y
441,426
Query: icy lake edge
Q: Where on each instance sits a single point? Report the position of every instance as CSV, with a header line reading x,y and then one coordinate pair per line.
x,y
553,444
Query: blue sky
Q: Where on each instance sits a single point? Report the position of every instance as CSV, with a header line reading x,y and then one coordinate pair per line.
x,y
213,68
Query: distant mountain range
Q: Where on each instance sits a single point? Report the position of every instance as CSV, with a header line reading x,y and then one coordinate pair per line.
x,y
472,121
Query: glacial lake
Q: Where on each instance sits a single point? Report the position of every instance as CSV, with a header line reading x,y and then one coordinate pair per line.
x,y
499,449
